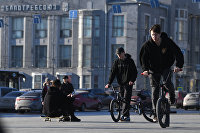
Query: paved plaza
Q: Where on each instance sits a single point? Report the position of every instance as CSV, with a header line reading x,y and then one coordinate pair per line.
x,y
99,122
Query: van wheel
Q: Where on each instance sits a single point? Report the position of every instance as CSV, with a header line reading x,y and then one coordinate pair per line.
x,y
186,108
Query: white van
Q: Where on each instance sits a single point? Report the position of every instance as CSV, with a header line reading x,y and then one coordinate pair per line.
x,y
5,90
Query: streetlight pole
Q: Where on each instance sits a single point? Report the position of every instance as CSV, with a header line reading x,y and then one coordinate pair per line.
x,y
5,52
53,58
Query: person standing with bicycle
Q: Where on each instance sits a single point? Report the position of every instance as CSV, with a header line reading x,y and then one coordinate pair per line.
x,y
125,71
157,56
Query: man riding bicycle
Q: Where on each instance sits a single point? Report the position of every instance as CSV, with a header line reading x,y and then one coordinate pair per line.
x,y
157,55
125,70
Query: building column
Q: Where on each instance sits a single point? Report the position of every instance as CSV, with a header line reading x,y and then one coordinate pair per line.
x,y
52,45
4,43
1,46
28,42
80,51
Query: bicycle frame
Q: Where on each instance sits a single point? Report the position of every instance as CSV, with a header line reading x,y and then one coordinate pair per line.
x,y
121,100
162,106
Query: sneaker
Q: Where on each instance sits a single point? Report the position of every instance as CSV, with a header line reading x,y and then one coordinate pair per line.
x,y
125,119
75,119
155,119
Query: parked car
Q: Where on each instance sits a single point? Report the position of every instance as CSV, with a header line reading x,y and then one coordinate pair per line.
x,y
5,90
143,95
192,100
101,94
179,96
29,101
7,102
85,100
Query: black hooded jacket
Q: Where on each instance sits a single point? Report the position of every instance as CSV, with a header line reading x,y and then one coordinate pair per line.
x,y
67,88
158,58
125,70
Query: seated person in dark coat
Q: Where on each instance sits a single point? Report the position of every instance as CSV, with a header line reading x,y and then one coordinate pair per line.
x,y
67,90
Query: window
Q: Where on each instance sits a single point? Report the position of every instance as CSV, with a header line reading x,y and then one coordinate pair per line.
x,y
114,47
96,81
17,56
41,29
96,56
180,30
181,24
66,27
118,26
86,81
97,26
17,28
181,13
86,55
38,81
65,55
41,56
87,26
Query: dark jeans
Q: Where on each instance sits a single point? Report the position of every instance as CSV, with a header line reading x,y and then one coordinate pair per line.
x,y
155,81
67,107
126,92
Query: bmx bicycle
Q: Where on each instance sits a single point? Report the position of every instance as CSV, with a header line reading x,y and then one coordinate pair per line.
x,y
139,107
163,105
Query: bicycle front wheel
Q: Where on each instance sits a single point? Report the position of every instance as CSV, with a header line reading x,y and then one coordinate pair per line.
x,y
163,112
115,110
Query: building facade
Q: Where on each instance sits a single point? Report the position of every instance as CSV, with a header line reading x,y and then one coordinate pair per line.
x,y
52,38
56,45
185,31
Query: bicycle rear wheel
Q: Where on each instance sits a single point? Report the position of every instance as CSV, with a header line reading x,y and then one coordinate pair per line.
x,y
115,110
163,112
148,113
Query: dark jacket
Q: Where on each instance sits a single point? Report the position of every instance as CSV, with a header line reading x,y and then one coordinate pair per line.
x,y
52,102
67,88
44,91
125,70
158,58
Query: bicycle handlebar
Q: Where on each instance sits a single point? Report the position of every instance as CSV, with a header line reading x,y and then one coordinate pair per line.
x,y
148,73
152,72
